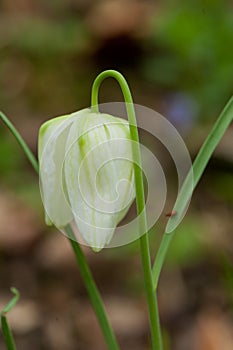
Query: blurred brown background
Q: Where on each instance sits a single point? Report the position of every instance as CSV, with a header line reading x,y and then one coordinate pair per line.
x,y
177,57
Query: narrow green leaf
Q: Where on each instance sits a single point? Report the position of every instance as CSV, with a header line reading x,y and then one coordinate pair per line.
x,y
7,334
199,165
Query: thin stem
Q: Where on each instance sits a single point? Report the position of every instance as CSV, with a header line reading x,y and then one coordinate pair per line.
x,y
80,257
92,291
6,331
140,199
199,166
21,141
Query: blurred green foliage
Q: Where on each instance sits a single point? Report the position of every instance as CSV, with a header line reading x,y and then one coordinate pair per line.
x,y
41,39
11,157
188,246
188,48
222,189
193,42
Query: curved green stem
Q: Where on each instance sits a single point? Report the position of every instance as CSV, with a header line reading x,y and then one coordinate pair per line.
x,y
80,257
140,199
199,165
13,301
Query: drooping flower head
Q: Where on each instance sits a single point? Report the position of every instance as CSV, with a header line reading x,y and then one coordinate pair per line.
x,y
86,173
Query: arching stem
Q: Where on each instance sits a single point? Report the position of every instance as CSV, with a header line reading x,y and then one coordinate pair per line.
x,y
140,199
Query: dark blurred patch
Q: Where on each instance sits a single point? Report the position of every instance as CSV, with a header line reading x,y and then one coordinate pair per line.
x,y
117,53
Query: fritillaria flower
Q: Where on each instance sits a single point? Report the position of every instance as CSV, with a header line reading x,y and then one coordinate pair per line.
x,y
86,173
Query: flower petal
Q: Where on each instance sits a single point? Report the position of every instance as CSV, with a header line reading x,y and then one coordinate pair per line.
x,y
51,150
98,158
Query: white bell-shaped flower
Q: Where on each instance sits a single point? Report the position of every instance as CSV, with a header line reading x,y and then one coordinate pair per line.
x,y
86,173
